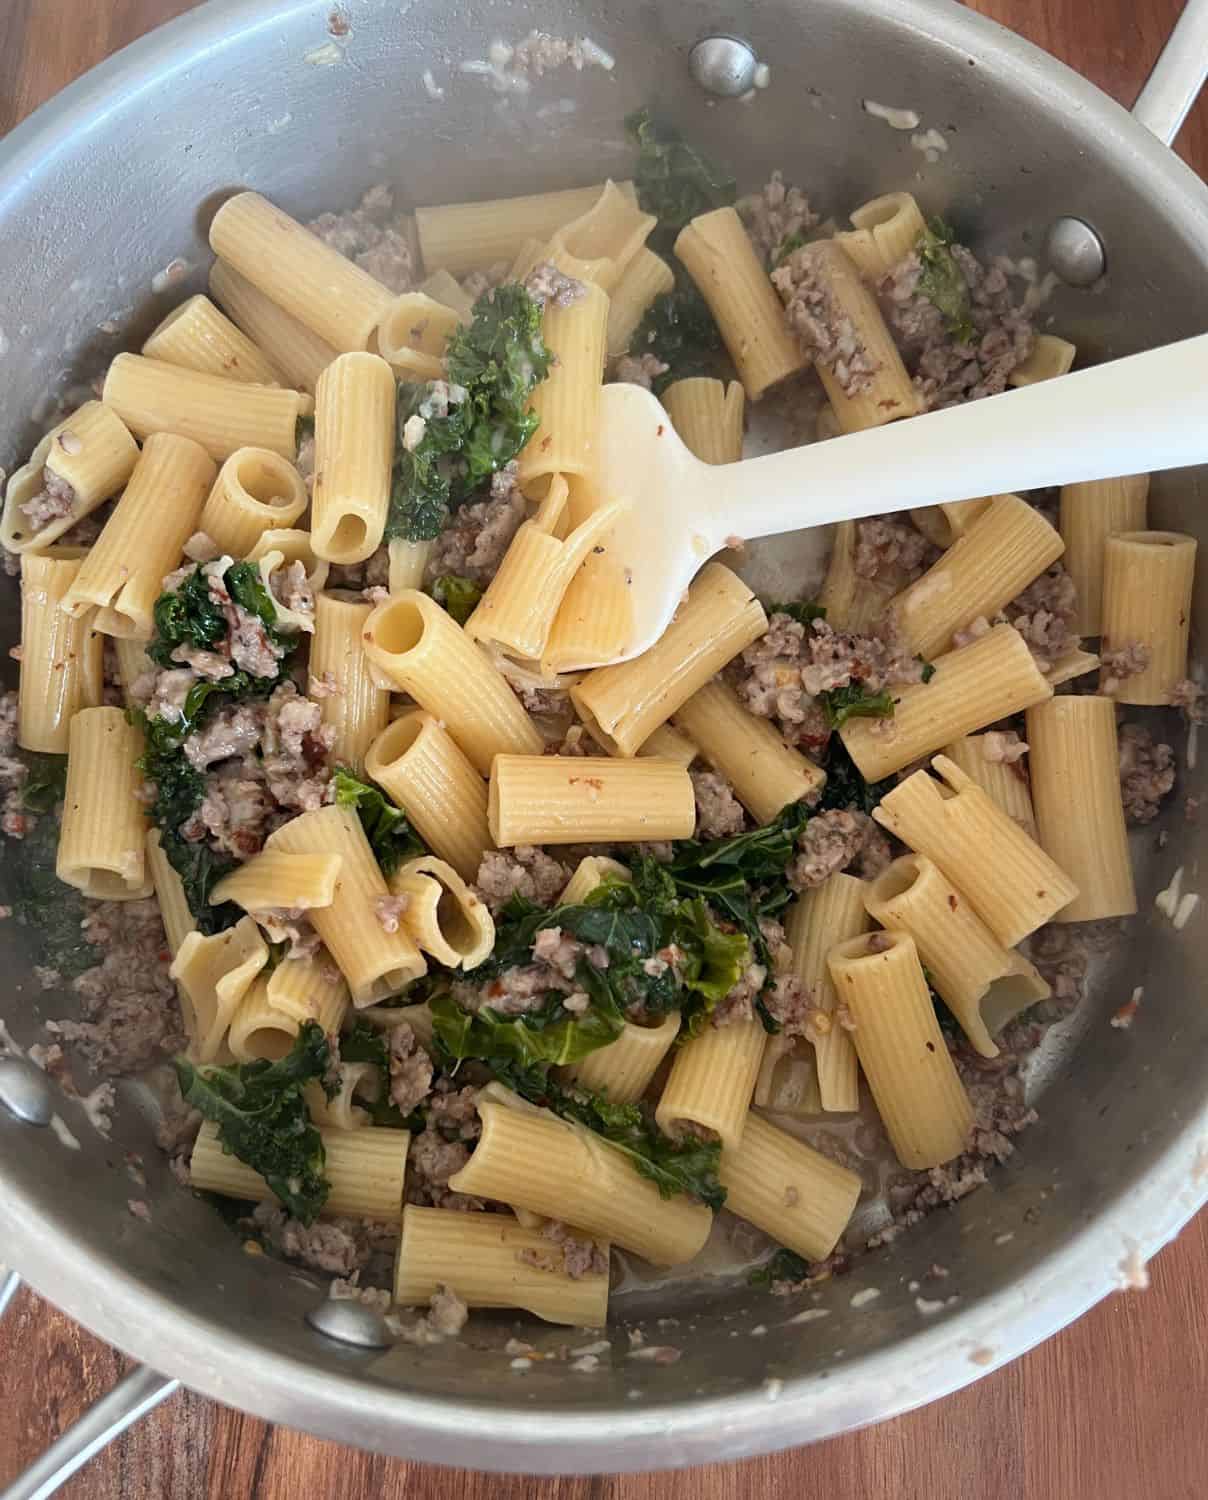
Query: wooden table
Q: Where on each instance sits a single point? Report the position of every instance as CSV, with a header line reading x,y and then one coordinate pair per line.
x,y
1111,1408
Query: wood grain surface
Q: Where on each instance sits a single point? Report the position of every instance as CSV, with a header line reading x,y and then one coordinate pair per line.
x,y
1111,1408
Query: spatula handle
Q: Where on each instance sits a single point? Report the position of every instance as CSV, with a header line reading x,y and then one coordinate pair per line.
x,y
1143,413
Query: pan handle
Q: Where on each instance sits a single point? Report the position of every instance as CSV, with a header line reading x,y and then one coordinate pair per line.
x,y
132,1397
1177,76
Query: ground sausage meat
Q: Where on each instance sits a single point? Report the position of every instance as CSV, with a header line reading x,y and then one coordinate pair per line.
x,y
774,215
719,814
523,871
573,1255
373,236
546,283
830,842
1146,773
473,543
821,324
893,549
639,369
410,1068
1116,663
51,503
336,1246
1044,615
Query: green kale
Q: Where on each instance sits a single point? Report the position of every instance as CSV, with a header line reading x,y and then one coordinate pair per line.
x,y
191,616
928,669
497,361
390,835
845,787
186,616
367,1044
551,1035
46,782
678,329
855,701
247,589
783,1266
675,181
262,1118
942,283
802,611
458,595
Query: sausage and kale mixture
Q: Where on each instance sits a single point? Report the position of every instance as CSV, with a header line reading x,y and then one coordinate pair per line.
x,y
236,746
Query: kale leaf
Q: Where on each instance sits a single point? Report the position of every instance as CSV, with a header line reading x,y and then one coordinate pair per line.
x,y
855,701
551,1035
942,282
390,835
262,1119
678,329
785,1265
845,787
675,181
367,1044
45,783
458,595
188,615
495,363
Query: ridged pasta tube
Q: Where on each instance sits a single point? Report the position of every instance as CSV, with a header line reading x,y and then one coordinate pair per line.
x,y
213,974
444,916
568,799
313,283
490,1260
91,452
413,335
598,246
416,760
101,839
1048,357
567,401
990,679
850,601
708,415
197,336
1090,513
354,449
273,878
625,1068
1006,784
942,524
169,893
354,705
256,491
646,277
290,346
914,1082
886,230
953,822
62,669
423,651
1148,578
712,1080
818,920
278,549
537,1162
623,705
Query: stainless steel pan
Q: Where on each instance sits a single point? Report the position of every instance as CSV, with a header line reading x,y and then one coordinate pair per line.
x,y
113,180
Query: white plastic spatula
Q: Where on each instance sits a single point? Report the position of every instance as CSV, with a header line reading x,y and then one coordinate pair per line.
x,y
1143,413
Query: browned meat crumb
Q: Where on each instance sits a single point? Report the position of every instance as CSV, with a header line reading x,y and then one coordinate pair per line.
x,y
546,283
472,545
410,1069
1044,615
945,370
719,813
337,1246
773,214
15,821
389,910
130,1013
1191,698
526,987
639,369
1116,663
200,548
739,1004
833,841
291,925
526,871
51,503
821,324
445,1318
291,588
879,942
373,236
441,1149
892,548
1147,773
575,1256
478,283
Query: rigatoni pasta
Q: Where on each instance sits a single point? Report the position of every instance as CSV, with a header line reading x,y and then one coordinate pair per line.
x,y
213,974
886,229
1090,513
354,450
716,253
645,278
623,705
851,602
291,346
1048,357
256,491
989,679
61,657
1148,577
221,415
352,702
711,1082
443,915
169,893
708,415
101,840
78,465
624,1070
413,335
274,878
197,336
598,246
818,921
902,1052
765,772
425,653
1005,782
313,283
1075,759
567,402
564,799
490,1260
376,962
416,760
953,822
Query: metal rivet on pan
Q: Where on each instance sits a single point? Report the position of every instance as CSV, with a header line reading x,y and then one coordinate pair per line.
x,y
1075,252
24,1092
350,1322
724,66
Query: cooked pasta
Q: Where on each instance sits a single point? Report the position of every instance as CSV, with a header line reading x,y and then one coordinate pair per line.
x,y
567,403
623,705
711,1082
708,415
1090,513
354,449
413,335
443,915
101,840
1148,577
256,491
274,878
1005,782
197,336
886,229
625,1068
61,657
850,602
290,346
646,277
354,705
213,975
1050,356
563,799
598,246
817,922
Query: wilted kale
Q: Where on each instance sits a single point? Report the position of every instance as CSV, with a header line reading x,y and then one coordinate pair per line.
x,y
855,701
551,1035
675,181
390,835
497,361
458,595
689,1167
190,616
845,787
366,1044
678,329
45,783
942,282
785,1265
262,1118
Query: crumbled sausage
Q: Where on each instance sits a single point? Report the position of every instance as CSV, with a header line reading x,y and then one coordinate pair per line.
x,y
818,320
373,236
773,215
719,813
525,871
1146,773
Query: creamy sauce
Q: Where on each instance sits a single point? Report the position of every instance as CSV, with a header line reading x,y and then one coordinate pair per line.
x,y
896,119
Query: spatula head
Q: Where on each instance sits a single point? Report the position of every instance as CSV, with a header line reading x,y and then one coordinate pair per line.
x,y
667,534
